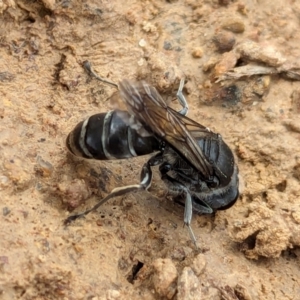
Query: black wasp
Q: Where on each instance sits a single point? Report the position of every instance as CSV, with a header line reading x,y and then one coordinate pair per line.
x,y
194,162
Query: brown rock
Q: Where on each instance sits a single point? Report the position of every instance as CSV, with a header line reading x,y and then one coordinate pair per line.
x,y
227,63
165,276
224,41
197,52
199,264
189,287
233,24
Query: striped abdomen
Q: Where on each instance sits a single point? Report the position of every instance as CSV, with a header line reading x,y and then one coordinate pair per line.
x,y
108,136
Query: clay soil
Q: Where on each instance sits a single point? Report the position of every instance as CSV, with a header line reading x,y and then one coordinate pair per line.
x,y
135,246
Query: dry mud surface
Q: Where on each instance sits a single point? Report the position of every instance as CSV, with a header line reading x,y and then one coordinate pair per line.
x,y
135,247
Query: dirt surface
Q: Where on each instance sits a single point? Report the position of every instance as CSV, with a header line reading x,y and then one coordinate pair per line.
x,y
135,247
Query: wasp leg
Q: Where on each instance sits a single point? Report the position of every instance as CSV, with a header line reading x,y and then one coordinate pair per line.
x,y
182,99
88,67
178,188
201,207
185,177
145,183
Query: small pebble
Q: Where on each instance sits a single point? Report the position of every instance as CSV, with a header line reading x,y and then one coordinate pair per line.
x,y
256,88
242,9
113,294
167,45
183,252
207,66
4,182
207,84
296,101
43,168
197,52
242,292
266,54
224,41
141,62
5,211
50,4
199,264
148,27
188,285
6,76
142,43
228,62
73,193
165,277
296,214
233,24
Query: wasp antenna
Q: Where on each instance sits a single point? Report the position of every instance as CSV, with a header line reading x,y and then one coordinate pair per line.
x,y
88,67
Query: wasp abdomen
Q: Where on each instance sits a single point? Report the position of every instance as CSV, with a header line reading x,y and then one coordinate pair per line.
x,y
108,136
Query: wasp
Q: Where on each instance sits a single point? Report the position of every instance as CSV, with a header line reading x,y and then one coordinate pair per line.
x,y
195,163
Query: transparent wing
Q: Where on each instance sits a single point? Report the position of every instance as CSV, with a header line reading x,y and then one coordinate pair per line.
x,y
144,102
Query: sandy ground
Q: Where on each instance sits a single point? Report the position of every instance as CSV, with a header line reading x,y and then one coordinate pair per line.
x,y
135,247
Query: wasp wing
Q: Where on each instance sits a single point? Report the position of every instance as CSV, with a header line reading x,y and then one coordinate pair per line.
x,y
145,103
